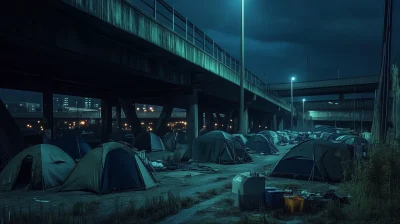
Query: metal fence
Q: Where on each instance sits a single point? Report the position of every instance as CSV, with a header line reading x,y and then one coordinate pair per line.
x,y
166,15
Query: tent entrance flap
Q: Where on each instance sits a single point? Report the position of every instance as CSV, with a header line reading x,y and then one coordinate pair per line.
x,y
119,173
24,177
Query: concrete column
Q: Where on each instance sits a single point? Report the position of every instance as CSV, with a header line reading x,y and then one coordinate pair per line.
x,y
246,121
162,122
193,116
131,116
341,97
274,123
106,120
118,116
48,117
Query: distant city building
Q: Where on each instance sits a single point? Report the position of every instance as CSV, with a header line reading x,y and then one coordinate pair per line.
x,y
65,102
23,107
88,103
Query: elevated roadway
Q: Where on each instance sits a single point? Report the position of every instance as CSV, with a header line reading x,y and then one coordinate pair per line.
x,y
363,84
110,48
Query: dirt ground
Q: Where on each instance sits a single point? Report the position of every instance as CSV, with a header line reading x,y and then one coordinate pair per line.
x,y
168,181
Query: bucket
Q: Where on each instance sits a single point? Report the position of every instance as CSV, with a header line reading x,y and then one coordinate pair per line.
x,y
274,199
294,204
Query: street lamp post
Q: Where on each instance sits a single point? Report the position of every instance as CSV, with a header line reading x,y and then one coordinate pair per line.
x,y
291,102
242,120
304,100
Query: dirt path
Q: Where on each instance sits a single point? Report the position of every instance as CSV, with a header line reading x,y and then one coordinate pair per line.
x,y
108,204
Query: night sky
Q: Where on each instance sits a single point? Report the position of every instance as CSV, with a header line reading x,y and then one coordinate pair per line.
x,y
344,35
280,34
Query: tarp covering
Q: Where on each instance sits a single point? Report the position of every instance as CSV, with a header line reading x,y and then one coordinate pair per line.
x,y
150,142
37,167
73,144
110,167
217,147
314,159
171,141
261,144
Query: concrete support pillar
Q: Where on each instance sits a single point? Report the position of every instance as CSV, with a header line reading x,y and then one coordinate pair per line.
x,y
118,114
246,121
341,97
162,122
48,117
106,120
281,123
131,116
193,116
274,126
12,143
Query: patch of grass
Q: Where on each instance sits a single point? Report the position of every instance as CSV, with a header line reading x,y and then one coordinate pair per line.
x,y
187,202
228,185
208,194
83,208
221,178
375,186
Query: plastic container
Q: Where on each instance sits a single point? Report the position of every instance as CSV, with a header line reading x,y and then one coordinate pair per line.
x,y
274,199
248,191
294,204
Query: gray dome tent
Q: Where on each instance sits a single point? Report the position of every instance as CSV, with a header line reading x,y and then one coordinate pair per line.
x,y
261,144
110,167
150,142
37,167
217,147
314,159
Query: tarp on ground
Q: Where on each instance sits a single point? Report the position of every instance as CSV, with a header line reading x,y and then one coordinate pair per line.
x,y
111,167
150,142
261,144
37,167
73,144
314,160
217,147
171,141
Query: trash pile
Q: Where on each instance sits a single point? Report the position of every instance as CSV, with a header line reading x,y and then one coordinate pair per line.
x,y
302,202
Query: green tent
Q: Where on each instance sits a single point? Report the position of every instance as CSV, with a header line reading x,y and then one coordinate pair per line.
x,y
37,167
217,147
314,160
110,167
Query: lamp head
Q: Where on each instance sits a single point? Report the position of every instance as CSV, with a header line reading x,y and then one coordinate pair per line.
x,y
293,78
304,100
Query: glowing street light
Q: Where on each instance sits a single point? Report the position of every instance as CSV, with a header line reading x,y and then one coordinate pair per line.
x,y
291,101
304,100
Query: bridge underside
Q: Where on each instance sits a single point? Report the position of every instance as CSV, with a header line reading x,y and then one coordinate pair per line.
x,y
55,48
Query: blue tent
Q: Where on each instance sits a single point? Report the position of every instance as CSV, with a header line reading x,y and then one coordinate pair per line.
x,y
73,144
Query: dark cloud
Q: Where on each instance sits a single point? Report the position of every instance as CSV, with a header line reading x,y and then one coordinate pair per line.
x,y
280,35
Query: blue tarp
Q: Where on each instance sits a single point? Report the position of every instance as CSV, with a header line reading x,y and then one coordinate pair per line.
x,y
73,144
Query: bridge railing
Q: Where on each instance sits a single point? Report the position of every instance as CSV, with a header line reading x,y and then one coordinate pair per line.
x,y
168,16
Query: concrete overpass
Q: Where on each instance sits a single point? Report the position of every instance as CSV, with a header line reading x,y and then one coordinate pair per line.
x,y
113,50
363,84
337,105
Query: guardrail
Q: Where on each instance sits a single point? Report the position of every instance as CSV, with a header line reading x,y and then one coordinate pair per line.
x,y
179,24
326,83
